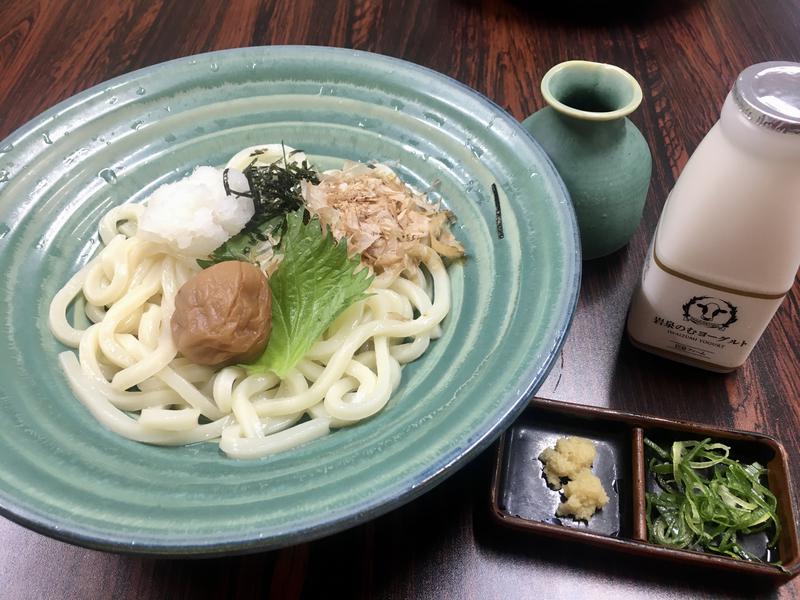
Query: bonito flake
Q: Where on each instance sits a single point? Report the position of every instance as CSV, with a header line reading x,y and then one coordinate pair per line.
x,y
382,219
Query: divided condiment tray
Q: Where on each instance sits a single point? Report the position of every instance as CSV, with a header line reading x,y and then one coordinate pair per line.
x,y
521,499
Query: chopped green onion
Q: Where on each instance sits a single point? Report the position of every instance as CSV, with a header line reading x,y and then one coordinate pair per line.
x,y
707,499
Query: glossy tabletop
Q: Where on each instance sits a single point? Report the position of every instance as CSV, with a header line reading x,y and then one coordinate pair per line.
x,y
685,55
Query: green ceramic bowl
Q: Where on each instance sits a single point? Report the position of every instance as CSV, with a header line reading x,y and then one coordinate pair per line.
x,y
66,476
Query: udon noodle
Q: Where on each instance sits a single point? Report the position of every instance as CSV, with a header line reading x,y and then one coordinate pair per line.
x,y
127,370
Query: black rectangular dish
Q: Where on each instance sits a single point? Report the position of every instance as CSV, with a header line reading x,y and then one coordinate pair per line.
x,y
521,499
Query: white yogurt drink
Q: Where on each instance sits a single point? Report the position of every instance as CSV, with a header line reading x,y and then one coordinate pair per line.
x,y
727,246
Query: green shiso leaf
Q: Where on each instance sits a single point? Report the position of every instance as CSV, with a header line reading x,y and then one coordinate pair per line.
x,y
314,283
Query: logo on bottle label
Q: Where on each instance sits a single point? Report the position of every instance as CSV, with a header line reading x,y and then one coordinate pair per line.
x,y
710,312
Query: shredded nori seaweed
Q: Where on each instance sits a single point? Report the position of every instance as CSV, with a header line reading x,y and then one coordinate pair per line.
x,y
276,192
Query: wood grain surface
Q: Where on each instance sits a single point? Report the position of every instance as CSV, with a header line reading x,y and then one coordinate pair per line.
x,y
685,54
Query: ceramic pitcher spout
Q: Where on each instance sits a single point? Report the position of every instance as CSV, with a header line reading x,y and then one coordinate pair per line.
x,y
601,156
591,91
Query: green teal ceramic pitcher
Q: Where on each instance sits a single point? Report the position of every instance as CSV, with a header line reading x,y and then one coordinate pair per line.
x,y
601,156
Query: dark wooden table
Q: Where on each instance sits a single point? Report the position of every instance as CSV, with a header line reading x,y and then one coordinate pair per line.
x,y
685,54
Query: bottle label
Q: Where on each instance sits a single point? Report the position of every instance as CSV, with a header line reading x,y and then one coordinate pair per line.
x,y
680,316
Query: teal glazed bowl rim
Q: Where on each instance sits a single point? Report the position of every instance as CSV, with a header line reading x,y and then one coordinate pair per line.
x,y
31,147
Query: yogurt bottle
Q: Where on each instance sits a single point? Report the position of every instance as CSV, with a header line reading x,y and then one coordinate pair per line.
x,y
727,246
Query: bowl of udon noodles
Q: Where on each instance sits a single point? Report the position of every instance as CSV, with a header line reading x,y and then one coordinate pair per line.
x,y
258,296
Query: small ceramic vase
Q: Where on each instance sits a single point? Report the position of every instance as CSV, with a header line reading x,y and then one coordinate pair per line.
x,y
601,156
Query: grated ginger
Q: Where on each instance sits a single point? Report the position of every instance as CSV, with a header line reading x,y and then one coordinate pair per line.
x,y
572,458
584,496
382,219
